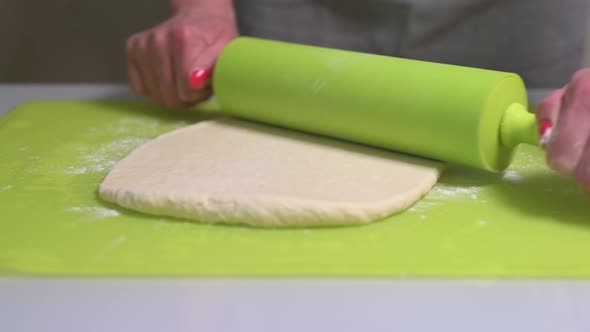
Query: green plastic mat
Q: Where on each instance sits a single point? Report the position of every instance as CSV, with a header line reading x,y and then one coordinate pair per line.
x,y
528,222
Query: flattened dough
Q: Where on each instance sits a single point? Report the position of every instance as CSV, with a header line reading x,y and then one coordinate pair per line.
x,y
232,171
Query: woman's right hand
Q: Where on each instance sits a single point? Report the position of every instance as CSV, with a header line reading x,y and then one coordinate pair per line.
x,y
564,119
172,62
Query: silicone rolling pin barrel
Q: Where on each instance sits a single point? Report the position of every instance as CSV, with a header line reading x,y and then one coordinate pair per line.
x,y
464,115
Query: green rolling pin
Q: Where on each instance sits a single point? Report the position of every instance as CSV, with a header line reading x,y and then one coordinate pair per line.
x,y
469,116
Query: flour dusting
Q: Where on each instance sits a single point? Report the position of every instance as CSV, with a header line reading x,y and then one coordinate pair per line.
x,y
317,85
114,243
96,212
442,192
76,171
512,176
423,205
103,157
118,240
5,188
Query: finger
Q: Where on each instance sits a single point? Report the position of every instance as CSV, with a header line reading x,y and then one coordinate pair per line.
x,y
162,65
133,72
201,95
573,124
142,59
154,67
187,48
194,61
547,113
199,78
201,71
583,168
549,107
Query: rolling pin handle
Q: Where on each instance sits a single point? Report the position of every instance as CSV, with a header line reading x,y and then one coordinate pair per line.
x,y
518,126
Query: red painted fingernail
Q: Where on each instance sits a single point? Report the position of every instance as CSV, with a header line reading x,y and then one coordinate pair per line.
x,y
545,129
544,126
199,77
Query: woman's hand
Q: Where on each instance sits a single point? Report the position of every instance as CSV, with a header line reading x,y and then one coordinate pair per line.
x,y
172,63
564,117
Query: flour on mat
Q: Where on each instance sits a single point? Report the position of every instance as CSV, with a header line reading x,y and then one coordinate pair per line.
x,y
149,127
116,242
445,192
512,176
442,192
5,188
95,212
423,205
103,157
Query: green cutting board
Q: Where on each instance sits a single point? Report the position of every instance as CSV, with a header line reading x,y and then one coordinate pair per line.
x,y
528,222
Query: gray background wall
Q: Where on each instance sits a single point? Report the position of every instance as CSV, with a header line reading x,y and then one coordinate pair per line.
x,y
70,40
76,40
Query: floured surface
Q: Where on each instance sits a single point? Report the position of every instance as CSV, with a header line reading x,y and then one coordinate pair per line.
x,y
232,171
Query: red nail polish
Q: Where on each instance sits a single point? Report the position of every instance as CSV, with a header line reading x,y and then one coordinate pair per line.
x,y
199,77
545,130
544,126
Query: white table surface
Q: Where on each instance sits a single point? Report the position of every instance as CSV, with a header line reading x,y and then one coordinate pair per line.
x,y
197,304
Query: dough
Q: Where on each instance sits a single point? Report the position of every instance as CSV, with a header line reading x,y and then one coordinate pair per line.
x,y
238,172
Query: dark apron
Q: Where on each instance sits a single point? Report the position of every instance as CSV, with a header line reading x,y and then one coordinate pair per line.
x,y
542,40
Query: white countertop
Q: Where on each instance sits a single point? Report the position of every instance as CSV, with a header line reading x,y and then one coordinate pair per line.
x,y
186,304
